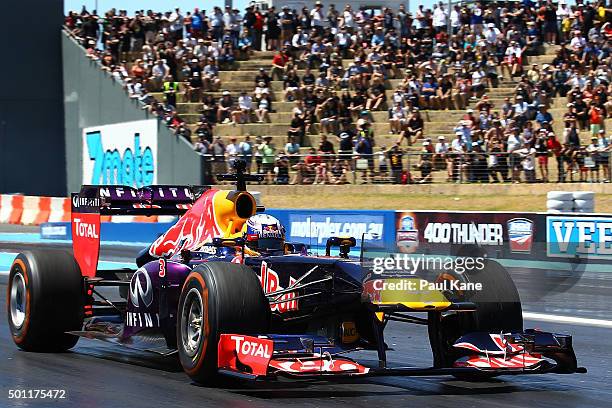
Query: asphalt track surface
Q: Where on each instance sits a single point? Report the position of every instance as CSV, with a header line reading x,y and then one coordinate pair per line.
x,y
95,374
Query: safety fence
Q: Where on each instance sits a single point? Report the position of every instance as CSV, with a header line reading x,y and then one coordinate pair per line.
x,y
397,167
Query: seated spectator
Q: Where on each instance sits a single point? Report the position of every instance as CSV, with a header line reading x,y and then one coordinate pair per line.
x,y
210,76
244,42
225,107
263,108
281,168
291,85
244,109
339,171
398,118
297,128
414,128
376,97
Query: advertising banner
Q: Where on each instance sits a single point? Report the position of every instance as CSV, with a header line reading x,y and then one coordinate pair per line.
x,y
418,230
122,153
312,227
571,237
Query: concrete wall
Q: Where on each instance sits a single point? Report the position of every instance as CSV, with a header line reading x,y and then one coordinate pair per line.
x,y
32,157
93,98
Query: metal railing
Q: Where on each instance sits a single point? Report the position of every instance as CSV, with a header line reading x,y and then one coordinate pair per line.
x,y
415,168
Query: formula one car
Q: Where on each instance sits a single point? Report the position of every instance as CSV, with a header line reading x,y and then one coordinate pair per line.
x,y
199,292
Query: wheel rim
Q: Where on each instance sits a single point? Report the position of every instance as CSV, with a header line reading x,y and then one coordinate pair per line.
x,y
192,317
18,300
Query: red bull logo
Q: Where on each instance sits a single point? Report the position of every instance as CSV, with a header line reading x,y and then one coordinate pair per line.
x,y
269,282
196,227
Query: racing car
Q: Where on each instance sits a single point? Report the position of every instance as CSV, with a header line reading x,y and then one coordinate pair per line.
x,y
231,297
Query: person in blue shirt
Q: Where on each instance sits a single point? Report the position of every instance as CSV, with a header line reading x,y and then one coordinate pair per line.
x,y
543,117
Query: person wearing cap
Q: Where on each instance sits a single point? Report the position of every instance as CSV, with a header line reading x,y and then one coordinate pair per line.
x,y
542,152
425,162
317,19
513,60
543,117
592,159
244,110
491,34
264,105
225,107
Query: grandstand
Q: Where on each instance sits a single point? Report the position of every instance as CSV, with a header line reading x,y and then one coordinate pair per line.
x,y
237,75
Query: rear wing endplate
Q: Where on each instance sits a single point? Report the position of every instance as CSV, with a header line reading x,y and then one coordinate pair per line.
x,y
93,201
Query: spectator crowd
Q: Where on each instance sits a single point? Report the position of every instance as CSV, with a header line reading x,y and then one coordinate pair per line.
x,y
336,66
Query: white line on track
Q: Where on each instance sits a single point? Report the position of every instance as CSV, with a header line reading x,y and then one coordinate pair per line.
x,y
582,321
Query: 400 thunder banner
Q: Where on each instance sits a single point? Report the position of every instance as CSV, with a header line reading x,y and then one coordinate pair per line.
x,y
421,230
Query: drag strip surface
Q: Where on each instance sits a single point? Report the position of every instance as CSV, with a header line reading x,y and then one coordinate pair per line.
x,y
95,374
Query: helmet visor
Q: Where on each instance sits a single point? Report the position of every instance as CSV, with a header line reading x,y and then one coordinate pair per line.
x,y
270,244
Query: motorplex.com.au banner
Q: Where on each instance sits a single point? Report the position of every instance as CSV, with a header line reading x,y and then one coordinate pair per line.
x,y
121,154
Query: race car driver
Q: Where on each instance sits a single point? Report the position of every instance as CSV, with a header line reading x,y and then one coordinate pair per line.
x,y
264,235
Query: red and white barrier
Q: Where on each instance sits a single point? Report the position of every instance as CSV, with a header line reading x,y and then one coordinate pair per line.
x,y
33,210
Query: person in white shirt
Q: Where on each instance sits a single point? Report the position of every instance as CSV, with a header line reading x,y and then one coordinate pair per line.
x,y
439,17
513,60
317,18
176,24
578,41
245,108
454,18
398,119
232,150
347,20
491,34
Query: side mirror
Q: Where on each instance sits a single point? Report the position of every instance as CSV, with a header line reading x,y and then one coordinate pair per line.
x,y
345,244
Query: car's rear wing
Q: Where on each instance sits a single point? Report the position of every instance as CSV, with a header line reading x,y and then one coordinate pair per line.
x,y
94,201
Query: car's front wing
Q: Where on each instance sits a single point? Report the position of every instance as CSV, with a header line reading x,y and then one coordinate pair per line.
x,y
305,356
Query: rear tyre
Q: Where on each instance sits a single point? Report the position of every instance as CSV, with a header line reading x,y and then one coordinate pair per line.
x,y
498,309
217,297
45,299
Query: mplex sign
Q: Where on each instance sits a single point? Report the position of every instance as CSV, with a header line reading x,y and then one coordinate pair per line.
x,y
121,154
587,237
316,228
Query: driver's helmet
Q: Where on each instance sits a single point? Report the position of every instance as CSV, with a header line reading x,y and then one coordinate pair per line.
x,y
264,233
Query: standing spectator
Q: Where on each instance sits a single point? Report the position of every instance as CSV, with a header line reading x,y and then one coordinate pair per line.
x,y
245,149
268,158
541,153
232,151
603,150
395,155
218,156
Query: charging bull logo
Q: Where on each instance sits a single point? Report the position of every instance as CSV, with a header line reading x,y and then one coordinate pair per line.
x,y
269,282
196,227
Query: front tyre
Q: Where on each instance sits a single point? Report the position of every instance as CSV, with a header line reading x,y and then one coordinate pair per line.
x,y
45,299
498,309
217,298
